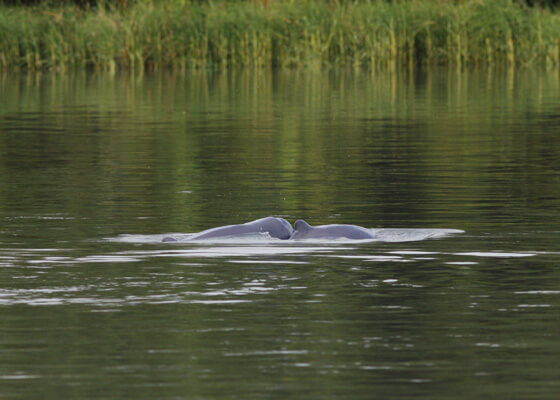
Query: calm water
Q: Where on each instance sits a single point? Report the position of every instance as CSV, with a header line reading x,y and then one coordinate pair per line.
x,y
95,169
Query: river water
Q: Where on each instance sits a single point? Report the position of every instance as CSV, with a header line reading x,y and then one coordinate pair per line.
x,y
458,172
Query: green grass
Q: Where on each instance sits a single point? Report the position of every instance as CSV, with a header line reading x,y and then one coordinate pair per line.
x,y
181,34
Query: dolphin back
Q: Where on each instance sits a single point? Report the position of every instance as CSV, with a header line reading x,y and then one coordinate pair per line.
x,y
275,227
336,231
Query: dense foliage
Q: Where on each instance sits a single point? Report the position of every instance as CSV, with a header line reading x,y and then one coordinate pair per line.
x,y
284,33
126,3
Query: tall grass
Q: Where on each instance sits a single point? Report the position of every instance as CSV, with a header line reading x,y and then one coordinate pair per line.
x,y
184,34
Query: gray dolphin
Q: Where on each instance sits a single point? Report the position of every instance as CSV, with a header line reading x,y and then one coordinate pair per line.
x,y
305,231
276,227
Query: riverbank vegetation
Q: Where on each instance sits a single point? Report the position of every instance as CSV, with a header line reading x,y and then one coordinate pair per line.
x,y
285,33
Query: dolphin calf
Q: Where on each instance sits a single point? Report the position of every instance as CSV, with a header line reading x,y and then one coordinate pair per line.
x,y
336,231
275,227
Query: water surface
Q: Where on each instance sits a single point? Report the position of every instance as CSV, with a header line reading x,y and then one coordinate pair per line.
x,y
457,171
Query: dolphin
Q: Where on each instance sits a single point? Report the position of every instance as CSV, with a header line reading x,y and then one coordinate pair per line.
x,y
336,231
277,228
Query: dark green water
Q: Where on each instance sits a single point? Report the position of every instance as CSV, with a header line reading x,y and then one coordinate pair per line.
x,y
94,169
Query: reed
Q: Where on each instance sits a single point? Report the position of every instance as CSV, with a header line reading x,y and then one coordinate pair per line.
x,y
286,33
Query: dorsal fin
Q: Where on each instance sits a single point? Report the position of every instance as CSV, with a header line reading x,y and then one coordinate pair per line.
x,y
301,226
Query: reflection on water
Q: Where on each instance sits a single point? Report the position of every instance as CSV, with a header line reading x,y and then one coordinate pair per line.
x,y
434,149
456,172
170,286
